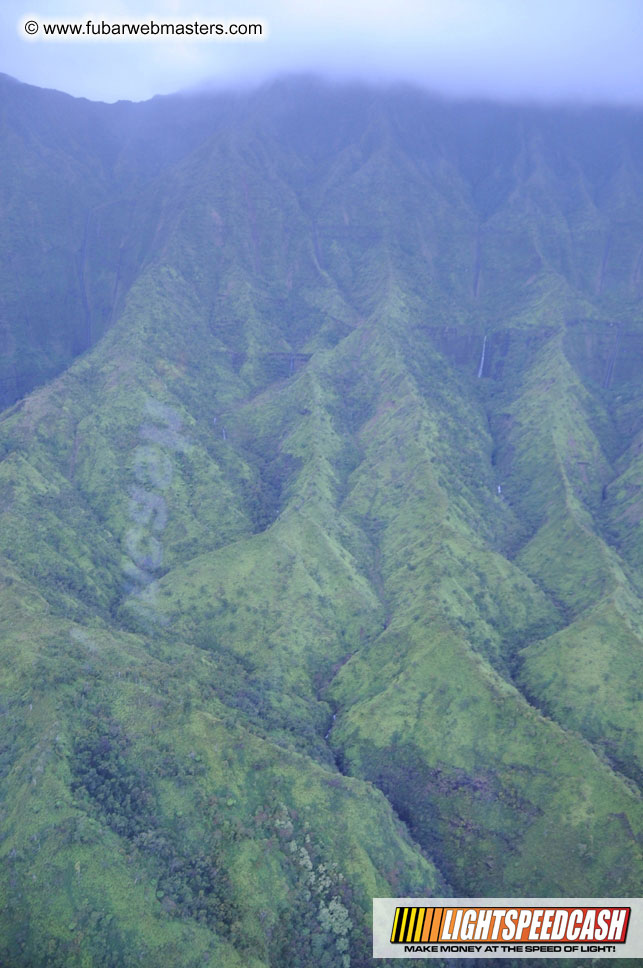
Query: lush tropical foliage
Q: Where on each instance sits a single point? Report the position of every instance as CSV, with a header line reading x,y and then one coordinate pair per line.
x,y
321,555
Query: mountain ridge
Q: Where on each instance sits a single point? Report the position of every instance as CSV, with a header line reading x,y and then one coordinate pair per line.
x,y
320,554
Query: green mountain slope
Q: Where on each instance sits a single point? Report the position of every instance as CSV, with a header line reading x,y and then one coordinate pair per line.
x,y
321,570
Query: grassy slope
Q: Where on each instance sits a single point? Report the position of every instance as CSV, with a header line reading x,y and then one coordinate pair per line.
x,y
257,575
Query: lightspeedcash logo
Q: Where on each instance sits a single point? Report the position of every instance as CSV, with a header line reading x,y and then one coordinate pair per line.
x,y
496,928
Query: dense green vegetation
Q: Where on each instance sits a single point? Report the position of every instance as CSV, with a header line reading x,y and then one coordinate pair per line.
x,y
320,558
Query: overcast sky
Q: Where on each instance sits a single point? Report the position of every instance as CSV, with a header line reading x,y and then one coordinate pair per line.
x,y
589,50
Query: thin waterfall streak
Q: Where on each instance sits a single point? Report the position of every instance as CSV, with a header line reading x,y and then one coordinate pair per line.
x,y
484,347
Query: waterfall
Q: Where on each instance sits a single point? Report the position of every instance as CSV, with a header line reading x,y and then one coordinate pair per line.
x,y
484,347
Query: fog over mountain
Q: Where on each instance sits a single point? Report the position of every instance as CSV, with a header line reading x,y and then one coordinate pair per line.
x,y
321,542
585,51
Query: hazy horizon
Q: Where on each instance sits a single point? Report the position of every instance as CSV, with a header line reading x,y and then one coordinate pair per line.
x,y
570,52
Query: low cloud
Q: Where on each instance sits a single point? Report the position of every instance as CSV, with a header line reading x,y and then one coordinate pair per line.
x,y
585,50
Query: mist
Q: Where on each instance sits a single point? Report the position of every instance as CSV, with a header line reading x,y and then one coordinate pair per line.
x,y
552,50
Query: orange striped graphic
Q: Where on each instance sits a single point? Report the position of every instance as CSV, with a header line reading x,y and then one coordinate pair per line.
x,y
417,925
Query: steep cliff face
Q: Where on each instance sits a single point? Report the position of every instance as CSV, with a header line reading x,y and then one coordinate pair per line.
x,y
321,562
71,175
489,215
